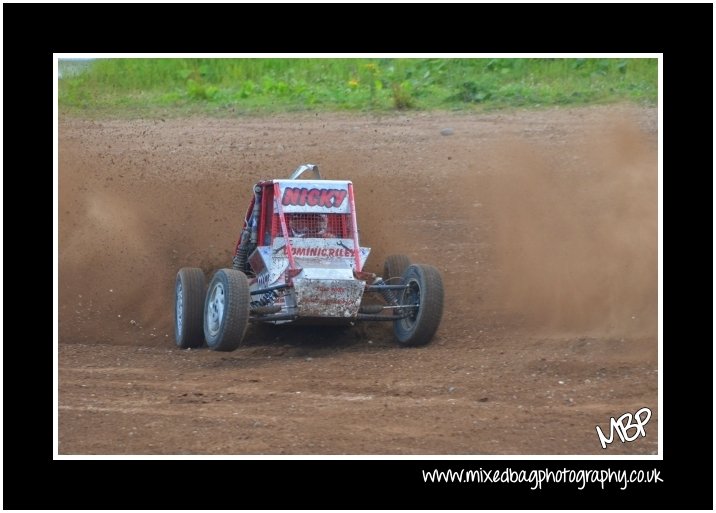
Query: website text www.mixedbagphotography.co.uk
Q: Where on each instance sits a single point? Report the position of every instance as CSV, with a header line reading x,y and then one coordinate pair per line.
x,y
537,478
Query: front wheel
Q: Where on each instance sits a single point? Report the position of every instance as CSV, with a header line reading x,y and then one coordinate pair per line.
x,y
189,307
424,293
226,310
395,266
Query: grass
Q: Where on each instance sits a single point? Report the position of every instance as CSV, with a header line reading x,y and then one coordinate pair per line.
x,y
230,86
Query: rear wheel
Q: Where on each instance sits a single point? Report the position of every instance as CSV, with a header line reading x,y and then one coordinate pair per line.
x,y
395,266
425,293
226,310
189,307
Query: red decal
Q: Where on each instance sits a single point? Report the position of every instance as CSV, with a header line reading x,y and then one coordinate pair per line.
x,y
339,197
320,252
313,197
326,198
290,196
302,197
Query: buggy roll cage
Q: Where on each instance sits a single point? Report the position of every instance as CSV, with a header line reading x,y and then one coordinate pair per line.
x,y
250,238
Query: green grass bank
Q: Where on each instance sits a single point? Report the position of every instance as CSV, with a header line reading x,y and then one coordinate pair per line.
x,y
225,87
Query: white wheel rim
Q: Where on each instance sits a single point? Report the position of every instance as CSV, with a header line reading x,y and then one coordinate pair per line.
x,y
215,315
180,308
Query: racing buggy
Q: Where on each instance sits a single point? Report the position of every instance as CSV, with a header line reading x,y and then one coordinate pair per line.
x,y
298,258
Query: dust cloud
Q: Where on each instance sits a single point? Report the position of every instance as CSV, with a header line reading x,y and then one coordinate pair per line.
x,y
575,231
121,241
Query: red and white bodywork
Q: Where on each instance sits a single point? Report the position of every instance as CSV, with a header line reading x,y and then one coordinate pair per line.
x,y
318,273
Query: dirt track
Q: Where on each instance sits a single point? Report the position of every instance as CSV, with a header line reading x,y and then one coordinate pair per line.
x,y
543,224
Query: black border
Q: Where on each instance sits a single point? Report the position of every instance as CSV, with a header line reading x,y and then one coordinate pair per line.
x,y
32,480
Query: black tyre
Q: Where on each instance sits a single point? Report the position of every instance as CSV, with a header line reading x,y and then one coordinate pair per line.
x,y
394,267
425,291
189,293
226,310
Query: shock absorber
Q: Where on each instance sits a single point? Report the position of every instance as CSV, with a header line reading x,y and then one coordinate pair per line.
x,y
254,223
266,299
388,294
249,235
242,249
